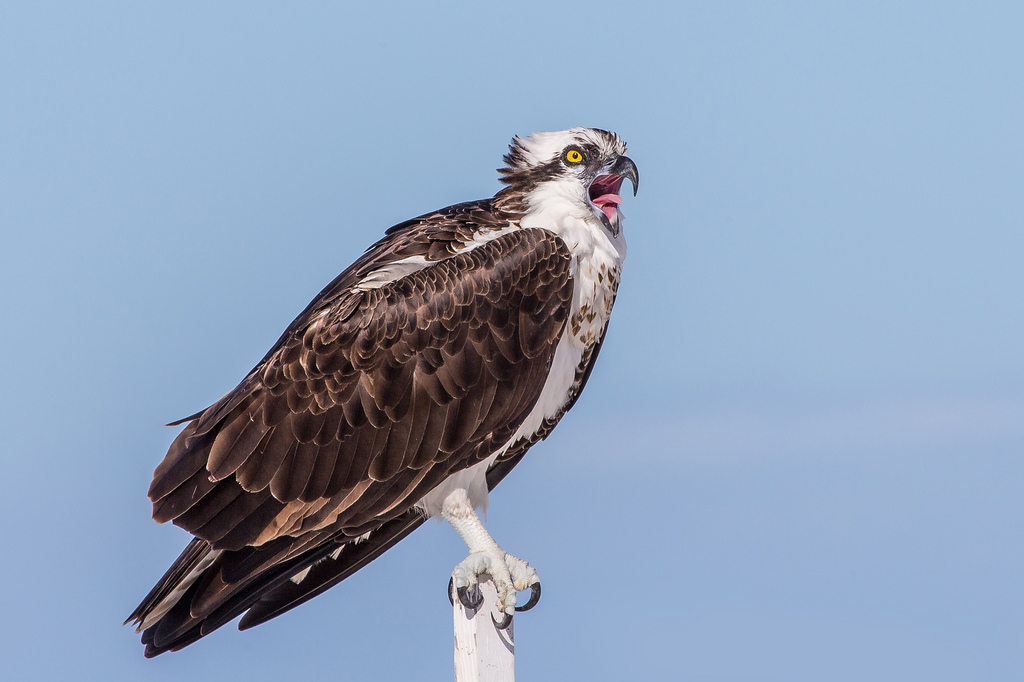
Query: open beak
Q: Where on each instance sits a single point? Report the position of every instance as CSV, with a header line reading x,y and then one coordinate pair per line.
x,y
604,190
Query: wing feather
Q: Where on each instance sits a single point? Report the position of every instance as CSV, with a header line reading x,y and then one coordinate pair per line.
x,y
209,506
417,422
289,483
184,497
368,401
186,456
323,468
259,469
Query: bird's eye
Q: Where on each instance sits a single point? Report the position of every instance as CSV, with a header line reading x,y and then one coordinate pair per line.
x,y
573,156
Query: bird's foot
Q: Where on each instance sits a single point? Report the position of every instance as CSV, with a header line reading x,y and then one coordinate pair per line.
x,y
509,574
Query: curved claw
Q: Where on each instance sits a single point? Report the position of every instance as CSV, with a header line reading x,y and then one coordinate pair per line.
x,y
506,620
534,598
468,601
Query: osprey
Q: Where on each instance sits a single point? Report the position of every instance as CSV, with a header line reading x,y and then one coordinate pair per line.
x,y
407,389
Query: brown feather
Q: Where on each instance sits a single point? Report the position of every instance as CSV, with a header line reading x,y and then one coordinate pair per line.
x,y
306,425
374,414
418,419
181,463
360,451
432,385
353,409
227,453
367,402
231,516
433,433
182,498
209,506
293,475
380,468
261,466
323,468
247,529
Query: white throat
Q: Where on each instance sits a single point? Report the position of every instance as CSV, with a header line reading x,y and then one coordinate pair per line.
x,y
557,206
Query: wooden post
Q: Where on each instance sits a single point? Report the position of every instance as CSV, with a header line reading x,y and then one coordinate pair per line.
x,y
483,653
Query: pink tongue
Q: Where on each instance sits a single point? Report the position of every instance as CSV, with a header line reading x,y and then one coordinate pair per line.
x,y
608,203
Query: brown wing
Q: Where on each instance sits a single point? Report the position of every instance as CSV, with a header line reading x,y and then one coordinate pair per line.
x,y
373,399
264,582
333,567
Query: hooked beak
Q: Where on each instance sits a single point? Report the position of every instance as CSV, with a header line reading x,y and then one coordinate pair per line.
x,y
626,169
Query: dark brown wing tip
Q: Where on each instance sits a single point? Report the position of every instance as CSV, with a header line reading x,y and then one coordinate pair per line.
x,y
185,419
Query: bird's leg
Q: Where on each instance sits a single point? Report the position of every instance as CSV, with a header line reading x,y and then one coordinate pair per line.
x,y
507,572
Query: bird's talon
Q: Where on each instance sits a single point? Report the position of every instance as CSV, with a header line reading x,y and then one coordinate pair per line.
x,y
467,599
506,620
532,601
452,590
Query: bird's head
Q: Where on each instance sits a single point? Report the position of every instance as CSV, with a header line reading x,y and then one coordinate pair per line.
x,y
582,167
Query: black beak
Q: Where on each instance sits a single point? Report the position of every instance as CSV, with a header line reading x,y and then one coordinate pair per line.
x,y
625,168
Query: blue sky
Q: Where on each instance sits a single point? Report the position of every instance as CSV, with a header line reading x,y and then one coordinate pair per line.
x,y
800,457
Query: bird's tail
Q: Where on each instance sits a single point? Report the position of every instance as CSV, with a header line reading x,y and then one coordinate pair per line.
x,y
196,558
206,588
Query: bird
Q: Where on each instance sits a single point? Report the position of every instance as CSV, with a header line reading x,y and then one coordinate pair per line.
x,y
407,389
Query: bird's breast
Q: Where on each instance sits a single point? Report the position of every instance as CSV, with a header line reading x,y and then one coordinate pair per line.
x,y
597,281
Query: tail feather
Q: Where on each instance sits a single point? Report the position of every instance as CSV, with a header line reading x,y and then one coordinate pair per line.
x,y
189,565
329,570
203,590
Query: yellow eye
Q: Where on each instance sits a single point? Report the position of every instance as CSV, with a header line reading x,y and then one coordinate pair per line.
x,y
573,156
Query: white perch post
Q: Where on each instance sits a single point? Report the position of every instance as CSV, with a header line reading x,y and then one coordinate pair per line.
x,y
483,653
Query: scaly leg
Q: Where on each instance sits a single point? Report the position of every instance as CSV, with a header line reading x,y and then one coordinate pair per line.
x,y
507,572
